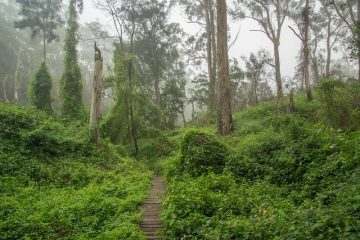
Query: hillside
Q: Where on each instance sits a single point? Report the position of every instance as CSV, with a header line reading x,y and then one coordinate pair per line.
x,y
278,176
56,185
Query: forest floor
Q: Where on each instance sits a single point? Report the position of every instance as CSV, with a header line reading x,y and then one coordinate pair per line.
x,y
150,222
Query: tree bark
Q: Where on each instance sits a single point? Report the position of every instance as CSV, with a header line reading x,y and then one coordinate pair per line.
x,y
16,76
328,42
193,110
4,89
306,51
279,92
225,122
96,97
44,45
213,45
209,56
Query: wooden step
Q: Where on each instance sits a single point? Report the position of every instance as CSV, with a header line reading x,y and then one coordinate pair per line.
x,y
150,222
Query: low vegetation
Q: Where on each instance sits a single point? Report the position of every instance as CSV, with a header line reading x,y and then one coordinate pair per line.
x,y
287,176
56,185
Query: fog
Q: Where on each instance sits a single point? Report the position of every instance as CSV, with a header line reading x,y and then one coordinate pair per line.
x,y
246,42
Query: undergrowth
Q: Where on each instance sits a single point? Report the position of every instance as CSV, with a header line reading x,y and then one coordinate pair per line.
x,y
54,184
285,176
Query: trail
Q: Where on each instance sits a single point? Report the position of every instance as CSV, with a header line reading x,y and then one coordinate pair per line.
x,y
150,222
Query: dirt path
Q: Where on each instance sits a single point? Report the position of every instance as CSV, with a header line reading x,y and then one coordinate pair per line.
x,y
150,222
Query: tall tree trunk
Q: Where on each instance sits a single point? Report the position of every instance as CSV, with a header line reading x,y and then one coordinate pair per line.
x,y
44,45
255,91
4,88
211,52
328,49
96,97
225,122
316,70
193,110
16,76
214,49
209,56
306,51
279,92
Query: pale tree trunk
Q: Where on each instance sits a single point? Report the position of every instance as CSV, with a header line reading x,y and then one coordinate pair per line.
x,y
316,70
44,45
4,88
214,53
279,91
210,47
96,97
328,42
225,122
209,55
306,52
193,110
16,76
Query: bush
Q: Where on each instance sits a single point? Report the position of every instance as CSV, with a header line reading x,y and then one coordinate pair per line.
x,y
340,103
56,185
201,153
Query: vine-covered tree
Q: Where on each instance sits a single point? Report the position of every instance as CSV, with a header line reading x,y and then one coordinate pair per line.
x,y
70,83
41,17
40,87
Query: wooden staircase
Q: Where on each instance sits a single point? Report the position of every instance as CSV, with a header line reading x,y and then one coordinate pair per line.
x,y
150,222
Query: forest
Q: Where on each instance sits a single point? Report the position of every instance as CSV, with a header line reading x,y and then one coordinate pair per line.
x,y
180,119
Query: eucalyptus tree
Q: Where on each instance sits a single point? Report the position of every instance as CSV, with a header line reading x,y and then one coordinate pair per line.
x,y
334,31
317,33
270,15
42,17
174,90
157,42
224,114
237,77
302,22
257,68
349,12
203,13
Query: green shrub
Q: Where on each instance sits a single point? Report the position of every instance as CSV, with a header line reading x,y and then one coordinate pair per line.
x,y
340,103
56,185
201,153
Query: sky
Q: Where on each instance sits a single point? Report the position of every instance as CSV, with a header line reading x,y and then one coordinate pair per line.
x,y
246,43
